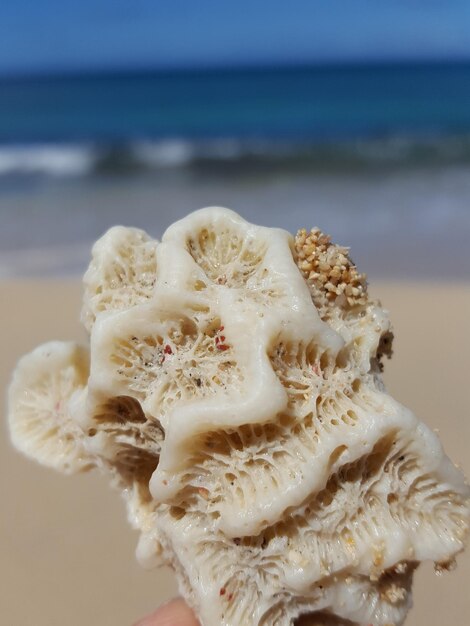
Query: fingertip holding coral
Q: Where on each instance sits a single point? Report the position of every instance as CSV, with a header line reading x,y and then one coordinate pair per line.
x,y
233,391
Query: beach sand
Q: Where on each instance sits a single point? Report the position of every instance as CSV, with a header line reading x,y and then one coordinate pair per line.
x,y
67,553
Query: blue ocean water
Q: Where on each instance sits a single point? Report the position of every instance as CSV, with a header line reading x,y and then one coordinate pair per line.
x,y
307,103
172,117
378,156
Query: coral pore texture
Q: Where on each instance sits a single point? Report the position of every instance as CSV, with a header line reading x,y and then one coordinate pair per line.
x,y
233,391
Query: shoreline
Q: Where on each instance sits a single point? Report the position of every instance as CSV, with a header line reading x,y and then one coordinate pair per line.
x,y
413,224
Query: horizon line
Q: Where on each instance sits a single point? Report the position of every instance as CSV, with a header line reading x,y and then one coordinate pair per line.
x,y
148,69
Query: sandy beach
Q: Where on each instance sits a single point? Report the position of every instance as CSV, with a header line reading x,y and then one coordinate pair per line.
x,y
66,549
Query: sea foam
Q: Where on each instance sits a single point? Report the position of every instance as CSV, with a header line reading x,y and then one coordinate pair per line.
x,y
52,160
149,155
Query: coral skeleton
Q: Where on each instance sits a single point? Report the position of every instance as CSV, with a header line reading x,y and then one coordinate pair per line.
x,y
233,392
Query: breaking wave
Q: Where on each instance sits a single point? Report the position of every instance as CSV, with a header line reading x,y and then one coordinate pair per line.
x,y
82,159
46,159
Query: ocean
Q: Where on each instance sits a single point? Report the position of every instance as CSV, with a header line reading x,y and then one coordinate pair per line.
x,y
378,155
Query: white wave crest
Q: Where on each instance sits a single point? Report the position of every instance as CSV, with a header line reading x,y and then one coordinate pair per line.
x,y
83,159
164,153
180,152
52,160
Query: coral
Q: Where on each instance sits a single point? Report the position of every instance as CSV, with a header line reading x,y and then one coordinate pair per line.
x,y
234,394
332,276
121,273
45,385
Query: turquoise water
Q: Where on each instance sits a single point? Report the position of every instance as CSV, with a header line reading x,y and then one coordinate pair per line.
x,y
302,104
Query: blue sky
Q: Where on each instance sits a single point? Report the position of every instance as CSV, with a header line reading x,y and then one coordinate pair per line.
x,y
58,35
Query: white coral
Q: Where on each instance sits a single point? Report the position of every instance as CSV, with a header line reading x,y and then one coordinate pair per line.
x,y
235,394
45,385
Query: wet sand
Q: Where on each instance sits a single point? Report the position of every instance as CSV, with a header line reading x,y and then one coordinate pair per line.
x,y
67,552
404,224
